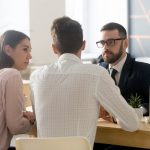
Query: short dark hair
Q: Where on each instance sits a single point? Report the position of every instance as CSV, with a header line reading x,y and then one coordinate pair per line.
x,y
113,26
67,35
11,38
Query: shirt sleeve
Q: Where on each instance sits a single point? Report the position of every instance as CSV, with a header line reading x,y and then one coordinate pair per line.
x,y
15,121
110,98
32,79
32,100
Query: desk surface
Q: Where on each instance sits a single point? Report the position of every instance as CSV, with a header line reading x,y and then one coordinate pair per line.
x,y
110,133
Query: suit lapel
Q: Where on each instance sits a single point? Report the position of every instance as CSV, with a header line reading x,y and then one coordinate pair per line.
x,y
126,70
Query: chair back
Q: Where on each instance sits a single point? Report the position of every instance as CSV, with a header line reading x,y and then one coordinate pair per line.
x,y
54,143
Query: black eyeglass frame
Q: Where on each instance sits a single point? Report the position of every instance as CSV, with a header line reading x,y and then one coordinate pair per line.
x,y
106,42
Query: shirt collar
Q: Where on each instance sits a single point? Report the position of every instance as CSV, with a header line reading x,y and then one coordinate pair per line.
x,y
69,56
119,66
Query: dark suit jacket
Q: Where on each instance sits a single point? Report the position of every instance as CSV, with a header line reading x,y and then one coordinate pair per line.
x,y
135,78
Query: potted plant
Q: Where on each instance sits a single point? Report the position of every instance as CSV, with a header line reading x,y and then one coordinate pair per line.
x,y
135,102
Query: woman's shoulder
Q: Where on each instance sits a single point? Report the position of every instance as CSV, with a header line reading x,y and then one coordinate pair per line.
x,y
9,72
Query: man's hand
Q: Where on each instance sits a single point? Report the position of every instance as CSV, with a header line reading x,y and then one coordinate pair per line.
x,y
30,116
105,115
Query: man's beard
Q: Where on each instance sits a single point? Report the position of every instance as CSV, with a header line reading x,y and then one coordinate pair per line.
x,y
113,57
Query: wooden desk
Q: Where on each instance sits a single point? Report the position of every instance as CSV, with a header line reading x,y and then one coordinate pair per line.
x,y
110,133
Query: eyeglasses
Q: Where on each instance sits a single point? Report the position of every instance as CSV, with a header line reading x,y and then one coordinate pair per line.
x,y
109,42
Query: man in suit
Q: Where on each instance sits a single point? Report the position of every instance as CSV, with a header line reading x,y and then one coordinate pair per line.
x,y
131,76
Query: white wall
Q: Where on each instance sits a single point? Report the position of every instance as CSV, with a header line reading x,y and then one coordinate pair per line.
x,y
91,14
103,12
42,13
10,19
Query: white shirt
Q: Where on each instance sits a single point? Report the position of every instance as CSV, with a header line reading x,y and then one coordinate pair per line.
x,y
67,95
118,67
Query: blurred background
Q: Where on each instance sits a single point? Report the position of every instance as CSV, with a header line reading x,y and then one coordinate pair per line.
x,y
34,17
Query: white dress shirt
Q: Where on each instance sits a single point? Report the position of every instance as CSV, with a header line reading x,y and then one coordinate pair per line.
x,y
67,95
118,67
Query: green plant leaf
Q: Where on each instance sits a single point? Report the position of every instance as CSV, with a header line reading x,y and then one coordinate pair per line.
x,y
135,101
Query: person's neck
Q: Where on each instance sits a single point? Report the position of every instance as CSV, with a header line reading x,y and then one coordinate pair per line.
x,y
77,54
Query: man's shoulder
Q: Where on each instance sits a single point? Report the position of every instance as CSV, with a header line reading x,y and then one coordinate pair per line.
x,y
44,71
141,65
103,64
38,72
92,69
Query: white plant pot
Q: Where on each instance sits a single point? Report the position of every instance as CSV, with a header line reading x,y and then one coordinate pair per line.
x,y
139,112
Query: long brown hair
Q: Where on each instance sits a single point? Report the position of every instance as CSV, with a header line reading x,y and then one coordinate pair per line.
x,y
11,38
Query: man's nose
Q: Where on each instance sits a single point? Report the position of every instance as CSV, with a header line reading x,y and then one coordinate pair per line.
x,y
105,47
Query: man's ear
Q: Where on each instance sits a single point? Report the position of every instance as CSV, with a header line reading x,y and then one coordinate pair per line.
x,y
126,43
7,50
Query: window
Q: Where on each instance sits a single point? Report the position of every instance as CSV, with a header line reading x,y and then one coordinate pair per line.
x,y
14,14
92,15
